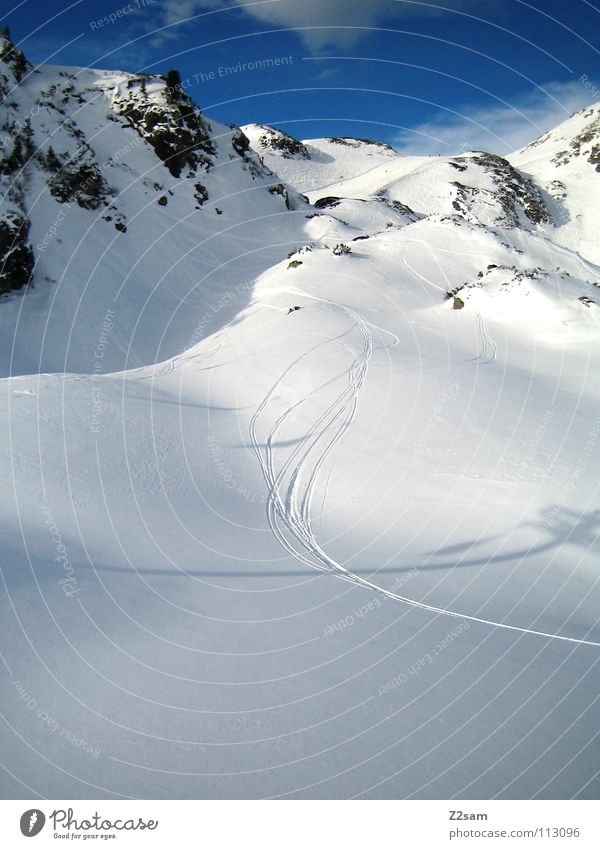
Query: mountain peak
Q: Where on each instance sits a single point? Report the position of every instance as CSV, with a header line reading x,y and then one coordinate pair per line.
x,y
13,60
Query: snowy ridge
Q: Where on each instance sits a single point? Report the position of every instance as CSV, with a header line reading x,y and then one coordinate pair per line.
x,y
328,159
565,163
105,169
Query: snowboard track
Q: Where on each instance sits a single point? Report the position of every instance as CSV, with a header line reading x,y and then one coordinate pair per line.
x,y
291,488
489,349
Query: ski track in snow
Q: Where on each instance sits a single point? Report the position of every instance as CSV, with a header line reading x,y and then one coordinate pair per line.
x,y
169,366
489,349
291,489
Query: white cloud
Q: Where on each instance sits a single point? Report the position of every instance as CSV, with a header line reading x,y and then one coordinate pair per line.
x,y
320,23
497,128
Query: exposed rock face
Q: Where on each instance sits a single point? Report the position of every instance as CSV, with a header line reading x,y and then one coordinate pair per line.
x,y
175,128
565,163
519,201
276,140
584,143
78,180
327,202
16,255
292,199
358,143
13,60
51,121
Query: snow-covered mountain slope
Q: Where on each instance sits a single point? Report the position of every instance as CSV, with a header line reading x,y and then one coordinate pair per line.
x,y
315,163
122,195
552,184
481,187
329,526
232,574
565,163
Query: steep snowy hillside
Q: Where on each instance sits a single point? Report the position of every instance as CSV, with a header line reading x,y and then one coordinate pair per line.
x,y
118,195
565,163
309,504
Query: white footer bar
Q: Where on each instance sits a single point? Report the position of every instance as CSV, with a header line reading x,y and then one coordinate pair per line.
x,y
302,824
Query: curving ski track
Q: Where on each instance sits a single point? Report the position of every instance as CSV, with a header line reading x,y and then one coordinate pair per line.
x,y
489,349
291,488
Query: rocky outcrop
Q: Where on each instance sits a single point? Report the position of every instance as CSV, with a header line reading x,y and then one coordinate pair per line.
x,y
518,201
170,123
16,255
277,141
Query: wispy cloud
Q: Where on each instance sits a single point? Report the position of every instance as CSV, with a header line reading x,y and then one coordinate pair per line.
x,y
323,23
498,128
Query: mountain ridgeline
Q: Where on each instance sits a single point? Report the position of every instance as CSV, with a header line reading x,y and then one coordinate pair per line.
x,y
46,143
117,188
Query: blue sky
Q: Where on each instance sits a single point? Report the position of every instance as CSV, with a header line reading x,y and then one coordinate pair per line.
x,y
430,76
